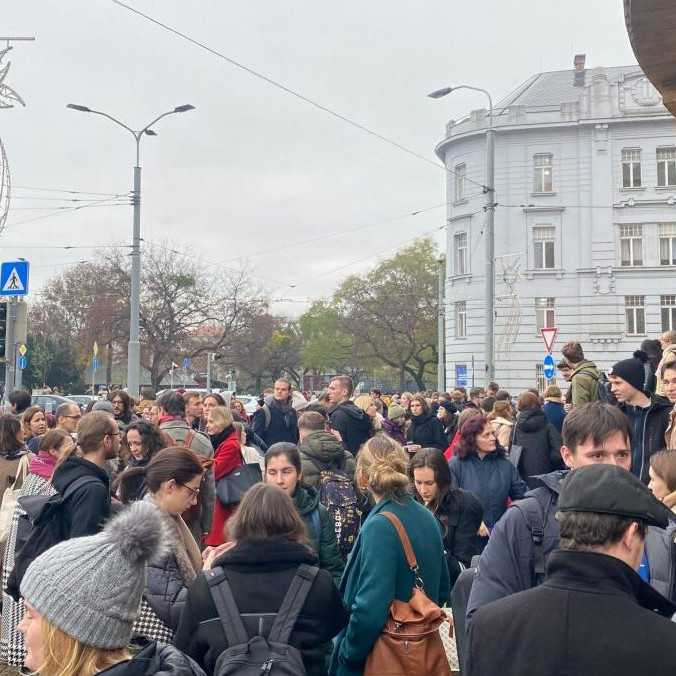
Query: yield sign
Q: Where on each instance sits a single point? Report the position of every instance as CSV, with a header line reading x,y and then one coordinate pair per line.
x,y
549,335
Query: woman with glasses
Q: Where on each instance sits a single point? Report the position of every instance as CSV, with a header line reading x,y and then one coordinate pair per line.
x,y
172,477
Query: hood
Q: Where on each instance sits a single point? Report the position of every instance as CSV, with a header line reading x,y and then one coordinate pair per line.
x,y
349,408
502,421
281,405
552,480
532,420
74,468
658,402
156,658
322,446
586,366
263,552
306,499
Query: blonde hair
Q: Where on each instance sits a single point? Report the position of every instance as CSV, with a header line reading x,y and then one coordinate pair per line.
x,y
363,402
502,409
66,656
222,415
384,464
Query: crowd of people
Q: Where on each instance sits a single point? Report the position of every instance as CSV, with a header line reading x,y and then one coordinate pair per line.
x,y
167,535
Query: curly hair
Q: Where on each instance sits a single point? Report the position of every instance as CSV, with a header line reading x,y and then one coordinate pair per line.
x,y
470,430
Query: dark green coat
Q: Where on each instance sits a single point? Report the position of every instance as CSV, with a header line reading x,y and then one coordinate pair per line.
x,y
321,450
306,500
377,573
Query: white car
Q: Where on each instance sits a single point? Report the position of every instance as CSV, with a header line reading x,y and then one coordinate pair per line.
x,y
250,403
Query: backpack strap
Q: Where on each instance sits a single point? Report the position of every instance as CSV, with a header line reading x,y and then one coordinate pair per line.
x,y
78,483
406,544
534,515
316,523
227,609
292,604
268,416
187,441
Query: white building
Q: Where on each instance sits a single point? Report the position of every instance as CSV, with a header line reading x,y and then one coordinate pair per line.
x,y
585,227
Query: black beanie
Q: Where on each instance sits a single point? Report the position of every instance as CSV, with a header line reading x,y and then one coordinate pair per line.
x,y
631,370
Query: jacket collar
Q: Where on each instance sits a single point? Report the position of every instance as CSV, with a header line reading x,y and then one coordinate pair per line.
x,y
605,574
267,552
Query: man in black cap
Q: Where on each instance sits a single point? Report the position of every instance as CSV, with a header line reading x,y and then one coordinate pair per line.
x,y
593,615
648,415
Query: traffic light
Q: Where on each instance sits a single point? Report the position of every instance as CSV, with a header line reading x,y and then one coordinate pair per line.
x,y
3,327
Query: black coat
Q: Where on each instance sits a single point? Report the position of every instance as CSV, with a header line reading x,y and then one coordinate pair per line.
x,y
541,445
283,423
354,425
156,658
259,573
89,506
460,514
428,431
593,616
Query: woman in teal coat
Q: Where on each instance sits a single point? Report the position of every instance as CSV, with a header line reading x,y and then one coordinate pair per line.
x,y
377,572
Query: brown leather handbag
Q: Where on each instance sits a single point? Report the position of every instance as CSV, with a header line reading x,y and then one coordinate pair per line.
x,y
410,644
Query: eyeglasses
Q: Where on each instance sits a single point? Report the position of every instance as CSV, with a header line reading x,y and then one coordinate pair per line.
x,y
194,491
75,417
117,401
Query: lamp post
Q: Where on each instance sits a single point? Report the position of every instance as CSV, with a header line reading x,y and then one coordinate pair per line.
x,y
134,349
490,226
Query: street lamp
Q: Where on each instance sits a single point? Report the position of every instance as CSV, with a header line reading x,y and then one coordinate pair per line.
x,y
490,226
134,349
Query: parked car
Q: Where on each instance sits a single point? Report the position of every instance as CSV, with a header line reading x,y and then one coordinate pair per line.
x,y
50,402
81,399
250,403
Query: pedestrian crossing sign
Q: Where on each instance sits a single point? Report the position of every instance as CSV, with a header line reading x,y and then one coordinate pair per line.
x,y
14,278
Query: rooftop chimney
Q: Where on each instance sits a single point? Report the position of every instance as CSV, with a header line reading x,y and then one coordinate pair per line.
x,y
578,62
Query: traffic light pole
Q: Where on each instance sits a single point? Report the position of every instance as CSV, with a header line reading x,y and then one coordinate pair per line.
x,y
10,349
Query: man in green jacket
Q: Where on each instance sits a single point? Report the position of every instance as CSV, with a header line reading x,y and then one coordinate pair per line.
x,y
584,381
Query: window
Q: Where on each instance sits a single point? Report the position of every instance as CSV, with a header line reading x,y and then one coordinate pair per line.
x,y
460,172
543,173
460,253
631,245
631,168
544,313
461,319
543,242
540,381
667,233
666,166
668,309
634,309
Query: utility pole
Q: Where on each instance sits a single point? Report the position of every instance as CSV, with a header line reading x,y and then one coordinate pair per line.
x,y
441,324
10,349
210,355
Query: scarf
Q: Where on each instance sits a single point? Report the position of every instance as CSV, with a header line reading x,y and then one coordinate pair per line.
x,y
182,544
42,464
218,438
169,418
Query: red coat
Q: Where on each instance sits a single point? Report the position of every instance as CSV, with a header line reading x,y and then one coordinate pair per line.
x,y
448,453
227,458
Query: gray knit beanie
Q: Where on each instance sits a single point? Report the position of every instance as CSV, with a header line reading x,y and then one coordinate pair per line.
x,y
90,587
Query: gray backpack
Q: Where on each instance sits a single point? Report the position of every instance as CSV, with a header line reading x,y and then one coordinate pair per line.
x,y
260,655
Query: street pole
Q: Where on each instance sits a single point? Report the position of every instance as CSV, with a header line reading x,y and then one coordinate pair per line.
x,y
171,377
94,377
209,372
490,246
10,348
441,333
489,189
134,346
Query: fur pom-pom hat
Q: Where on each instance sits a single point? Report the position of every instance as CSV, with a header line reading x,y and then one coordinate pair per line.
x,y
90,587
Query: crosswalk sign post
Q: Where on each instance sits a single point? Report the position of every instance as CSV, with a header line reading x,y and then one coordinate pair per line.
x,y
13,283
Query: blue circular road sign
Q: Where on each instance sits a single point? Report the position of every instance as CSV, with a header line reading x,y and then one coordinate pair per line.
x,y
549,366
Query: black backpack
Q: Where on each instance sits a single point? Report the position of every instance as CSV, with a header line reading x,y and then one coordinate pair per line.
x,y
260,655
603,389
41,526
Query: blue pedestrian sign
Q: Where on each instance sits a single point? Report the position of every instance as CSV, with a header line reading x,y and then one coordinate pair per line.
x,y
23,362
186,363
14,278
549,366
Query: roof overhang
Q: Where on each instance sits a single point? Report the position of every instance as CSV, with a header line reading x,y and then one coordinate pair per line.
x,y
651,25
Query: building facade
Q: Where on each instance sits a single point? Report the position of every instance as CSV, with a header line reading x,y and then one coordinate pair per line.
x,y
585,223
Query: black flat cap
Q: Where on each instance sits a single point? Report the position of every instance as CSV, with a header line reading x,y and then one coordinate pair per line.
x,y
608,489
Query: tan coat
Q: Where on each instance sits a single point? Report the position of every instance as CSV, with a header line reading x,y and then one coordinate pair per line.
x,y
8,470
670,434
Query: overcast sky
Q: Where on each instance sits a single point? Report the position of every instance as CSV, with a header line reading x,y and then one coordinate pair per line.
x,y
253,171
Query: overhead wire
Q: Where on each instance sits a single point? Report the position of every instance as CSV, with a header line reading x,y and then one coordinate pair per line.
x,y
274,83
66,190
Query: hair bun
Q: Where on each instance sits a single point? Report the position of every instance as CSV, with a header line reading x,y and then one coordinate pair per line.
x,y
641,356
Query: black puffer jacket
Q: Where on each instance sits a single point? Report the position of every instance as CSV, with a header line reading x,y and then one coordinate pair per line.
x,y
354,425
259,572
428,431
159,659
541,445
